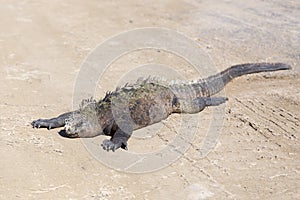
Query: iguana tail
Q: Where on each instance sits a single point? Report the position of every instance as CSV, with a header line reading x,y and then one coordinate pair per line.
x,y
216,83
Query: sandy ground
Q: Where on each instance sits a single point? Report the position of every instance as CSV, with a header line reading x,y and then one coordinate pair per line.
x,y
43,44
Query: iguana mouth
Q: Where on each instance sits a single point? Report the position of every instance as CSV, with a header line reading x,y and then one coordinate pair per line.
x,y
70,132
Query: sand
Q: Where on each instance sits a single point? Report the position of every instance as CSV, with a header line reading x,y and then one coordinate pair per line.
x,y
256,156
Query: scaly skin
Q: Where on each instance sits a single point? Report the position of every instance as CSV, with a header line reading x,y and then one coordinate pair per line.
x,y
133,107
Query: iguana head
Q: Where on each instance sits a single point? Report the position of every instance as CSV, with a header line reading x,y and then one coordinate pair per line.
x,y
83,123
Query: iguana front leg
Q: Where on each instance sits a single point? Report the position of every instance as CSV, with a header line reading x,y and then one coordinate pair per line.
x,y
119,139
53,122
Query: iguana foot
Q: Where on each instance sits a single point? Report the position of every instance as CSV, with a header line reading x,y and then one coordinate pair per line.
x,y
114,144
214,101
53,122
44,123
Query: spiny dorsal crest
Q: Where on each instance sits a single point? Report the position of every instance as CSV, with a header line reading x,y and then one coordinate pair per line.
x,y
86,102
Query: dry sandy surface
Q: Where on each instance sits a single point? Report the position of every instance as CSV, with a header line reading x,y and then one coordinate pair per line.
x,y
42,46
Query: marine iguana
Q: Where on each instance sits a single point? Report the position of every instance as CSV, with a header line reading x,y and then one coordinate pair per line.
x,y
146,102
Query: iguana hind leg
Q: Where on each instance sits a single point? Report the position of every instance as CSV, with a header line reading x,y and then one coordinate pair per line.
x,y
214,101
198,104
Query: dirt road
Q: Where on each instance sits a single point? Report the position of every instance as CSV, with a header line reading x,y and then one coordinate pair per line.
x,y
43,44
